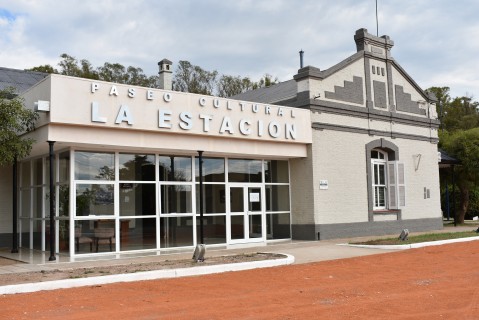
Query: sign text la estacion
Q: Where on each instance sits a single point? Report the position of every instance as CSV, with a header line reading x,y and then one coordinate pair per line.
x,y
278,124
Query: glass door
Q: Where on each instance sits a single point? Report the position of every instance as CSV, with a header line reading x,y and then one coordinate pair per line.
x,y
246,218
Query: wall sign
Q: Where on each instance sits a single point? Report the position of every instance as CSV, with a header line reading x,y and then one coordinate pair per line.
x,y
323,184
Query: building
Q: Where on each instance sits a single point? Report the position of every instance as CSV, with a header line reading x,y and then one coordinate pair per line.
x,y
348,151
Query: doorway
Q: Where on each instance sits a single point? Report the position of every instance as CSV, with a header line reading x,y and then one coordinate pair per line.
x,y
246,213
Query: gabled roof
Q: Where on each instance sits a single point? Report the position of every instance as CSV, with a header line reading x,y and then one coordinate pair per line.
x,y
278,92
21,80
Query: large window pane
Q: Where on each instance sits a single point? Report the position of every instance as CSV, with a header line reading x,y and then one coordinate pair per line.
x,y
64,200
63,235
176,199
213,169
94,166
278,226
277,198
240,170
94,199
176,232
38,171
37,202
137,199
214,229
213,198
137,234
64,164
25,232
276,171
25,169
37,234
175,168
136,167
26,199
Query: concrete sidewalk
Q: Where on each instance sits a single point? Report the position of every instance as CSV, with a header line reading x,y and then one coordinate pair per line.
x,y
302,251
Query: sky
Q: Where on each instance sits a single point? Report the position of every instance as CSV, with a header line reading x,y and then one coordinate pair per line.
x,y
435,41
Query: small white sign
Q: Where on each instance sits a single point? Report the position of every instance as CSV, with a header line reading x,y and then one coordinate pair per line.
x,y
323,184
254,197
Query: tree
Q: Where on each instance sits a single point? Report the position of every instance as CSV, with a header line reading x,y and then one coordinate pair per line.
x,y
46,68
194,79
15,120
464,145
229,86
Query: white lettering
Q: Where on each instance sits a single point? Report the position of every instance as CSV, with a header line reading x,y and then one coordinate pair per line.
x,y
267,110
202,101
113,91
206,122
242,127
167,97
124,115
149,94
228,106
293,115
164,117
226,126
260,128
242,104
280,112
291,131
216,103
94,87
95,117
273,129
131,92
186,123
255,108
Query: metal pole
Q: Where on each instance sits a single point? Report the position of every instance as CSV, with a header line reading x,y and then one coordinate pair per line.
x,y
200,160
15,209
447,200
52,208
454,196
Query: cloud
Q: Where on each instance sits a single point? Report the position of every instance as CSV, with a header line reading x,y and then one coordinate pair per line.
x,y
434,43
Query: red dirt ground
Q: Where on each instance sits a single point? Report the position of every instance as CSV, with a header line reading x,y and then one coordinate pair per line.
x,y
440,282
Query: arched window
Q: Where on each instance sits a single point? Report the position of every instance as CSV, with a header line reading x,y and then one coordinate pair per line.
x,y
379,170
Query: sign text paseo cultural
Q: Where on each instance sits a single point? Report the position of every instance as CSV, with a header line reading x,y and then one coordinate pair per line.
x,y
209,115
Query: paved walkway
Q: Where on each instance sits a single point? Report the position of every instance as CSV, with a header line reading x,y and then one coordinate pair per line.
x,y
303,252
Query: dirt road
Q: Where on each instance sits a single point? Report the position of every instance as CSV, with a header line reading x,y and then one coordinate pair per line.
x,y
440,282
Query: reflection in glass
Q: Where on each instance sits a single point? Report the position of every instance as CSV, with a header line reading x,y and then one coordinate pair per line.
x,y
214,198
254,199
278,226
255,226
94,166
213,170
237,227
94,199
240,170
25,233
176,232
136,167
236,199
276,171
214,229
176,199
137,199
175,168
63,235
137,234
277,198
25,170
38,172
64,164
26,202
64,200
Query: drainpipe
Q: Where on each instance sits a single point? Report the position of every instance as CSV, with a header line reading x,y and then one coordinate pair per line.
x,y
52,208
14,209
200,160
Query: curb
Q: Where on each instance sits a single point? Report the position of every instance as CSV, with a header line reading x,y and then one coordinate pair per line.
x,y
145,275
410,246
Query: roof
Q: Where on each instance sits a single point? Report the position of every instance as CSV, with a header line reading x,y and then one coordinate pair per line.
x,y
21,80
447,159
275,93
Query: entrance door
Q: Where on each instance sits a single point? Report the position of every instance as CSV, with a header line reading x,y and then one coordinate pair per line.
x,y
246,218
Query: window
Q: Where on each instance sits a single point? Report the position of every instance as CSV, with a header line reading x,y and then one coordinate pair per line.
x,y
388,186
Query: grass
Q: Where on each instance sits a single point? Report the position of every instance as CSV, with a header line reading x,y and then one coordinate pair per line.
x,y
422,238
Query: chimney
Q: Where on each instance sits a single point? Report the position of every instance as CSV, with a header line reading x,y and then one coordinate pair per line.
x,y
165,74
301,54
370,43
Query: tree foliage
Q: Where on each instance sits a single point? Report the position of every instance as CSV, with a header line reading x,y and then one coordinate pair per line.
x,y
459,137
194,79
15,119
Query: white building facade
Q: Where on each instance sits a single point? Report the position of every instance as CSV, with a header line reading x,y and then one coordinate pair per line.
x,y
348,151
